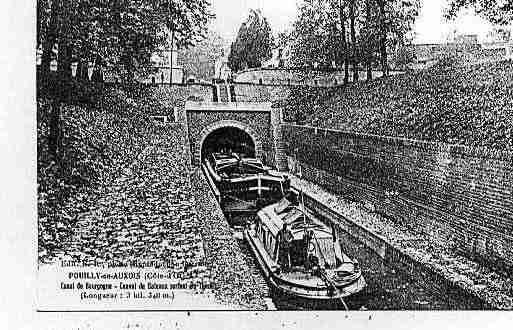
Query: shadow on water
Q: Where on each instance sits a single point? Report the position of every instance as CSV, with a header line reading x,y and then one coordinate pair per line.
x,y
388,288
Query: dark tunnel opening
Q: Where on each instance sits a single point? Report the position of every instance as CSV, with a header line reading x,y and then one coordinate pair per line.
x,y
228,139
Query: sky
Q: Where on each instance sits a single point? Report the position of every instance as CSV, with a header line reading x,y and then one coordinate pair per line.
x,y
430,25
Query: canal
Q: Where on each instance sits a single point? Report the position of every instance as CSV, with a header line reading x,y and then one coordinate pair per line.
x,y
388,288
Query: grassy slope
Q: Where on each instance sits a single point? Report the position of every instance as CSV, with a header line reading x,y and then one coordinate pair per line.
x,y
468,105
98,141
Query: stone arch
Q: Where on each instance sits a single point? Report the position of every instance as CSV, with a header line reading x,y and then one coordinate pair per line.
x,y
227,123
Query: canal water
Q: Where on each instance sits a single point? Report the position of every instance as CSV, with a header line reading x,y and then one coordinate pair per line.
x,y
388,288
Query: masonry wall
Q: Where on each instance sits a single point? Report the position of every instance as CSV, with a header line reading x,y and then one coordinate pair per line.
x,y
170,101
460,196
260,93
259,122
160,100
297,76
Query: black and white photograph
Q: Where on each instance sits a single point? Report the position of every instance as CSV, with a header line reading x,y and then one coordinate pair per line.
x,y
272,156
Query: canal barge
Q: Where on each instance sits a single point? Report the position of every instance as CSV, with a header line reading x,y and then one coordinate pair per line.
x,y
317,269
244,184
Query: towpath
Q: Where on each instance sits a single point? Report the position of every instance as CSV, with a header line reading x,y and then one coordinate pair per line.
x,y
153,213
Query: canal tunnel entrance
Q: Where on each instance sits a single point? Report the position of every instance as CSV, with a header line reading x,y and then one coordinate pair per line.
x,y
228,139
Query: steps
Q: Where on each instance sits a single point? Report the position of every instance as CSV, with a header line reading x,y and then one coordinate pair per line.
x,y
224,93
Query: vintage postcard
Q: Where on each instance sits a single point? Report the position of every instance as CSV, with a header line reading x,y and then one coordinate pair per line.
x,y
258,155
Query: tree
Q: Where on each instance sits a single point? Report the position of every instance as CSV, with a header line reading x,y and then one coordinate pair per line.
x,y
368,40
187,23
400,17
354,57
253,44
120,33
343,40
282,43
320,32
497,12
316,37
282,39
200,60
42,19
383,37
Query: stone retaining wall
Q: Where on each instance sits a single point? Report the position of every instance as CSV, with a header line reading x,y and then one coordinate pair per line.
x,y
165,100
396,252
298,76
459,195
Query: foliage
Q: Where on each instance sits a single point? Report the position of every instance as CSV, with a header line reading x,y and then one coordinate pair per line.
x,y
302,102
120,33
99,139
317,31
282,39
315,36
447,60
189,21
497,12
399,20
470,105
253,44
402,57
199,60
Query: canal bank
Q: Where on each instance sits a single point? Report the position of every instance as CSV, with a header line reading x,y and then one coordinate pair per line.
x,y
395,281
157,212
236,281
403,270
144,222
412,253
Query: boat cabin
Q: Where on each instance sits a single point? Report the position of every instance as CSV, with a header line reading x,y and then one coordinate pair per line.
x,y
315,266
312,240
